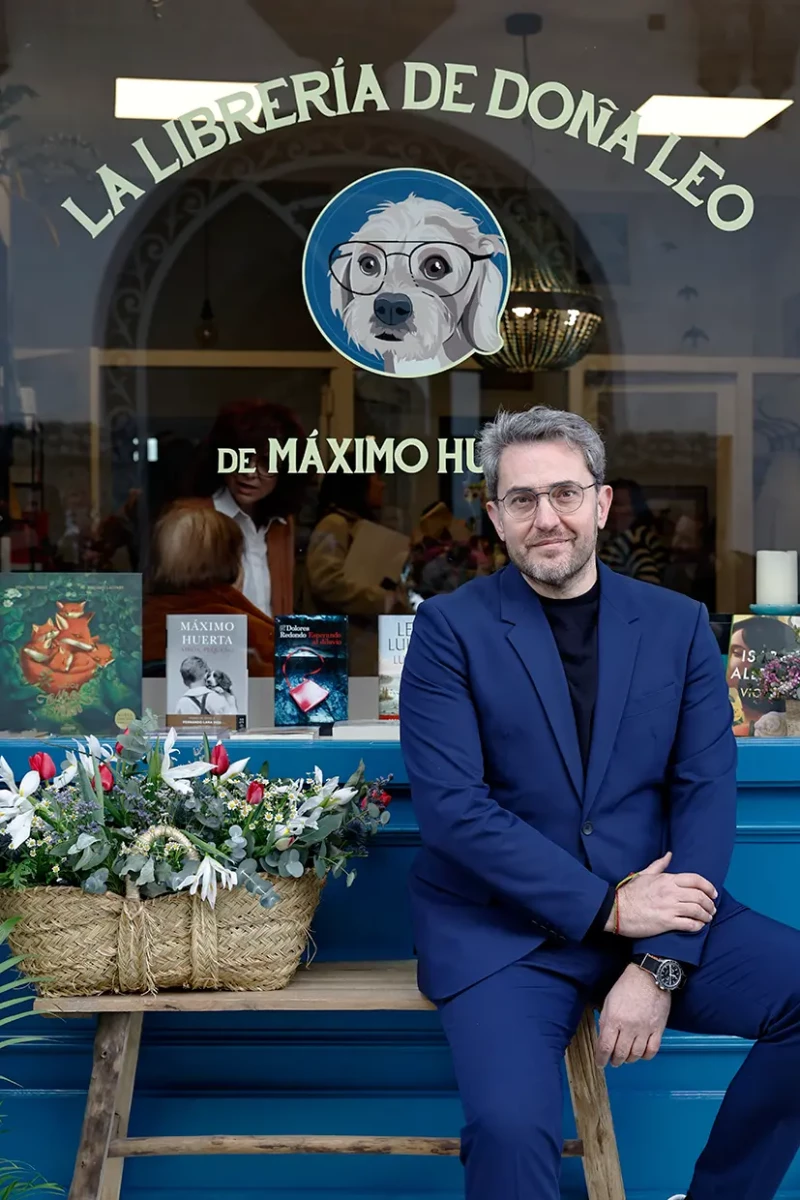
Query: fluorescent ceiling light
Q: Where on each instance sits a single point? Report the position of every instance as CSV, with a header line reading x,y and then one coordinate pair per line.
x,y
165,99
707,116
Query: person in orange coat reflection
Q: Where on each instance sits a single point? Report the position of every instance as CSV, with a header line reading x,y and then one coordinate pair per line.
x,y
197,567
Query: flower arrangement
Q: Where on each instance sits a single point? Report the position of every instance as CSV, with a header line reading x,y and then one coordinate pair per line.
x,y
779,679
83,826
778,675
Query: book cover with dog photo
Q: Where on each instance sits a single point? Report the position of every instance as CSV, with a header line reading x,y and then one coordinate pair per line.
x,y
394,634
206,671
70,651
310,670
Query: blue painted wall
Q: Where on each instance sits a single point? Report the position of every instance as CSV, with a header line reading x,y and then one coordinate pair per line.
x,y
374,1072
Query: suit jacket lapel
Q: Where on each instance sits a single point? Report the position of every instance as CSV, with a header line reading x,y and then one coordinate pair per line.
x,y
617,643
533,641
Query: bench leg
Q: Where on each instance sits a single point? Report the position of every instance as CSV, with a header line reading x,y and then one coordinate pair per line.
x,y
592,1110
108,1105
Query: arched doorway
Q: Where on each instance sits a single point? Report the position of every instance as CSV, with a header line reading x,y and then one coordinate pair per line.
x,y
232,234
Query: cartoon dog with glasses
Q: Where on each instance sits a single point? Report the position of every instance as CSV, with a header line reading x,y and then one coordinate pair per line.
x,y
416,285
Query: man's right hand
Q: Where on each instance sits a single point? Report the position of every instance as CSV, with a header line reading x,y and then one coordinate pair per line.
x,y
657,902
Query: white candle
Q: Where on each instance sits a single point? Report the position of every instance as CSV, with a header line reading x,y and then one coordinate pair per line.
x,y
776,577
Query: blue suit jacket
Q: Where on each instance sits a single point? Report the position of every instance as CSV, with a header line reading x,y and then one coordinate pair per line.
x,y
517,844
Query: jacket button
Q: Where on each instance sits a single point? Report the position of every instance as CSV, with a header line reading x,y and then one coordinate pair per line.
x,y
587,828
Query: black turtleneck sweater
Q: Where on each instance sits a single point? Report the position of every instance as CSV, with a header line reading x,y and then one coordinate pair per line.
x,y
574,626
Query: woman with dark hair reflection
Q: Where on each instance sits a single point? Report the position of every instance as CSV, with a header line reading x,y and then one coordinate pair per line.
x,y
344,501
632,545
262,503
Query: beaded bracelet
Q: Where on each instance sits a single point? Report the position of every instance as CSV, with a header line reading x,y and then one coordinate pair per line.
x,y
621,883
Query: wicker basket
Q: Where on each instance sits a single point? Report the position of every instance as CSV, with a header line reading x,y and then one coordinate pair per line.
x,y
86,945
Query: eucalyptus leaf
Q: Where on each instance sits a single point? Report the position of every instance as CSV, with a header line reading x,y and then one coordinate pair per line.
x,y
97,883
296,869
147,874
320,869
134,862
151,890
93,856
83,840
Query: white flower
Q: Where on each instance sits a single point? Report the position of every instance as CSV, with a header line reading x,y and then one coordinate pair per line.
x,y
234,769
205,878
331,790
16,810
177,777
69,772
98,750
8,604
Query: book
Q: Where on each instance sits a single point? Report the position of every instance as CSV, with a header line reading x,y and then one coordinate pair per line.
x,y
366,731
754,640
394,634
206,671
376,553
70,652
310,670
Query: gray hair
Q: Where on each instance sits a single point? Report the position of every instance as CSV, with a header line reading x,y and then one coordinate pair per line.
x,y
538,424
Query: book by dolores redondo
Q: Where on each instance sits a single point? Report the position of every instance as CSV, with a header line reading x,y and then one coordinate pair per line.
x,y
394,634
310,670
70,651
207,671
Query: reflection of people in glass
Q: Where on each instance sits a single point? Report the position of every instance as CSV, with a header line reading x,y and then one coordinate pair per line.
x,y
344,500
751,639
445,553
199,698
261,503
691,560
633,546
197,567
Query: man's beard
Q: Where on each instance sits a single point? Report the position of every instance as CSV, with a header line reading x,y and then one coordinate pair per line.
x,y
556,574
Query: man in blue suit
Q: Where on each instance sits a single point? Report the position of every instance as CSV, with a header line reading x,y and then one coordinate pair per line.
x,y
564,727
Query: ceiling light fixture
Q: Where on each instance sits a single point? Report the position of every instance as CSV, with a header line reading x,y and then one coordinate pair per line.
x,y
707,116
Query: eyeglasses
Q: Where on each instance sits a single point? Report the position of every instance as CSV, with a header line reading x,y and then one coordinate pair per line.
x,y
259,465
566,497
441,267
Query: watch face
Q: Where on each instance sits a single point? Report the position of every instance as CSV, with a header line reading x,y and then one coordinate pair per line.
x,y
669,975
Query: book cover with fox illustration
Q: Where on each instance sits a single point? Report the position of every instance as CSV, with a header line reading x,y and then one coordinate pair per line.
x,y
70,651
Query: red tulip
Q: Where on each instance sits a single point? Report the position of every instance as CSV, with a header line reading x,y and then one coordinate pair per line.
x,y
219,757
384,799
44,764
106,778
255,792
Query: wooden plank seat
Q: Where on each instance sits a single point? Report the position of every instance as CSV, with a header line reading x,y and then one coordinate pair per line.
x,y
324,987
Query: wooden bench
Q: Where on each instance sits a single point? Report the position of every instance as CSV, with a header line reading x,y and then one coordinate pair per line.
x,y
326,987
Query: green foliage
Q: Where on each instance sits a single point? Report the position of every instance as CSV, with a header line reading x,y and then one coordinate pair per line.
x,y
17,1179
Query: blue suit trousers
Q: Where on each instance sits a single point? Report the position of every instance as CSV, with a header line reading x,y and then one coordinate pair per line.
x,y
508,1034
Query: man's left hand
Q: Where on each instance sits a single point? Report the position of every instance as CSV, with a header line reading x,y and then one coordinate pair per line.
x,y
633,1019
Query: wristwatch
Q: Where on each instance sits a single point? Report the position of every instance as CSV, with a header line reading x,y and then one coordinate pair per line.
x,y
668,973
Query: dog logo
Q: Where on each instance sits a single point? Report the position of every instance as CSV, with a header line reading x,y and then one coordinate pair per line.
x,y
407,272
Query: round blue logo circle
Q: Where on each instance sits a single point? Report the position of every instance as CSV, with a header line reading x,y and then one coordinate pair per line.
x,y
407,272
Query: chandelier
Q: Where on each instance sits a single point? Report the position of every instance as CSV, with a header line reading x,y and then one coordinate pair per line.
x,y
549,320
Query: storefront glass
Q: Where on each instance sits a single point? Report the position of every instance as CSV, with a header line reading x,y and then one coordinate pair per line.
x,y
169,286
